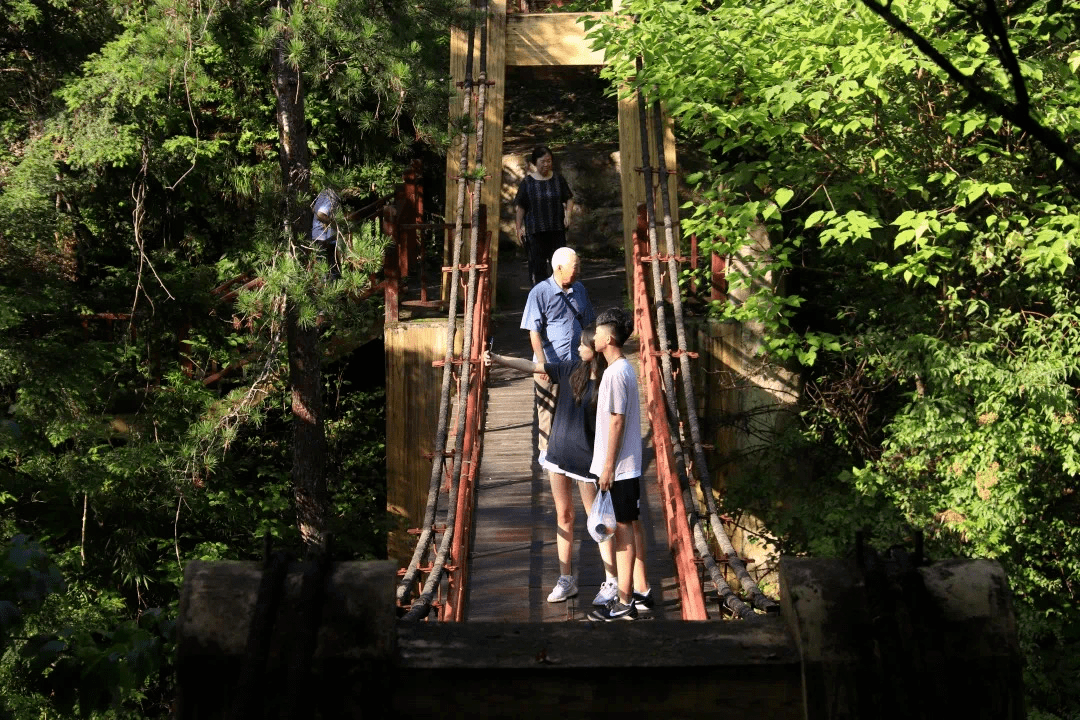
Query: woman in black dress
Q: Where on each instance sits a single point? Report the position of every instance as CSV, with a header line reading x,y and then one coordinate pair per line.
x,y
542,213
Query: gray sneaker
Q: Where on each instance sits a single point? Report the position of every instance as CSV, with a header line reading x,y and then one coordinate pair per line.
x,y
609,590
564,589
614,610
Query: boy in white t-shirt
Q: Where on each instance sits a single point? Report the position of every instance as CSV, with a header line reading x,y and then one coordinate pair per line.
x,y
617,462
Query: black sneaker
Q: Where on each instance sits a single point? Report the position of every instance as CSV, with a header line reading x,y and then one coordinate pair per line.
x,y
614,610
645,601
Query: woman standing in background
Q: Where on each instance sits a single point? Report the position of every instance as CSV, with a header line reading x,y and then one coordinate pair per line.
x,y
542,213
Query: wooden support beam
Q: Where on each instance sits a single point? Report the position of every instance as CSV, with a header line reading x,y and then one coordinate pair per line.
x,y
459,50
545,39
413,387
633,180
491,193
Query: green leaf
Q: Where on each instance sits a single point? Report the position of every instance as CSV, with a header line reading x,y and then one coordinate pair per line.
x,y
783,196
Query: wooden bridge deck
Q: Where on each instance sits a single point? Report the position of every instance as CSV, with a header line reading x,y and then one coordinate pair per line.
x,y
513,564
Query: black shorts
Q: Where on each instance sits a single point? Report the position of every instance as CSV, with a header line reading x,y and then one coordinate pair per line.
x,y
626,499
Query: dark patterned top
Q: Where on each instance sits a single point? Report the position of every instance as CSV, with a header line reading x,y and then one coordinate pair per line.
x,y
543,201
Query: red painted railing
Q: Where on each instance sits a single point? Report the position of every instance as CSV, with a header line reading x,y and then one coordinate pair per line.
x,y
691,595
458,576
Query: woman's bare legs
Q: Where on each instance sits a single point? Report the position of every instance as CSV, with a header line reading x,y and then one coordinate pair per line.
x,y
607,549
564,518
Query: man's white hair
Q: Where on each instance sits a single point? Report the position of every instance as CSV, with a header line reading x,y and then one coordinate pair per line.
x,y
562,256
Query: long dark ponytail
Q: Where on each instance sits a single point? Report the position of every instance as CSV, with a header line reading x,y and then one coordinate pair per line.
x,y
579,378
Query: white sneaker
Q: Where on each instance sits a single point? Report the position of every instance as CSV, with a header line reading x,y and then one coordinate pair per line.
x,y
564,589
609,589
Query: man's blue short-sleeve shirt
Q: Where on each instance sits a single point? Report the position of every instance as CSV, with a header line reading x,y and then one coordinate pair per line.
x,y
548,314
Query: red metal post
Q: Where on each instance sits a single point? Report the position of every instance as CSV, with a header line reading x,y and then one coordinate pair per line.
x,y
391,266
719,278
416,238
454,608
410,205
691,595
693,264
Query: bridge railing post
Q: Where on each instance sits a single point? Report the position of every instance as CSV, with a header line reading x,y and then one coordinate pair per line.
x,y
691,595
454,607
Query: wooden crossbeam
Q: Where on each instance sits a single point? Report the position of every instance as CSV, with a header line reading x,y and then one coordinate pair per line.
x,y
549,39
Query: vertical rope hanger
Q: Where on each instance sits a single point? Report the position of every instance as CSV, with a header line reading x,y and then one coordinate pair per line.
x,y
422,605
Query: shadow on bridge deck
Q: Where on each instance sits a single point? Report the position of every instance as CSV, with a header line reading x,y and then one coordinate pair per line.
x,y
514,564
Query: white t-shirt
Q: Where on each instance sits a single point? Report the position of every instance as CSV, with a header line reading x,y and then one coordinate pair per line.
x,y
618,394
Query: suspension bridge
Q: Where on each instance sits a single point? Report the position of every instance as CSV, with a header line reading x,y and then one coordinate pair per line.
x,y
464,629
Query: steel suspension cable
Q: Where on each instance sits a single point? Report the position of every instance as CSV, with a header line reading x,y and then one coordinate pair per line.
x,y
438,460
421,606
758,598
730,599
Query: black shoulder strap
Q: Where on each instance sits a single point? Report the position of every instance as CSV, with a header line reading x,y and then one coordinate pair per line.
x,y
573,309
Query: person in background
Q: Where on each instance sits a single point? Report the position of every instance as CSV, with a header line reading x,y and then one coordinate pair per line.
x,y
570,448
617,463
324,229
542,213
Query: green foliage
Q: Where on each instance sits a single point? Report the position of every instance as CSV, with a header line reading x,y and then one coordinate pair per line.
x,y
578,6
913,255
144,412
79,668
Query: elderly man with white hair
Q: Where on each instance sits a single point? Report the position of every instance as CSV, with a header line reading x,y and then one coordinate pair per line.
x,y
557,310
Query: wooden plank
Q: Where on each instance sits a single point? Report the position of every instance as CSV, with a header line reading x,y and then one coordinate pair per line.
x,y
632,180
459,44
412,408
663,669
485,646
491,192
545,39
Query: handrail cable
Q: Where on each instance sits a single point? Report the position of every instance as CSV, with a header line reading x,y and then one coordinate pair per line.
x,y
758,598
439,458
731,600
421,606
434,576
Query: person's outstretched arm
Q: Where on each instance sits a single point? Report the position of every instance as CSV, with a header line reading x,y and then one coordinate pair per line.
x,y
512,362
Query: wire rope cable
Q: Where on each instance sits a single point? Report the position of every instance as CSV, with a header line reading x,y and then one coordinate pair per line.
x,y
730,599
422,605
701,467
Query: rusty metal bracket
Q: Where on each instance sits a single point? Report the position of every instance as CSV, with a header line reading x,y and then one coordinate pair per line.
x,y
482,267
455,362
674,353
665,258
445,454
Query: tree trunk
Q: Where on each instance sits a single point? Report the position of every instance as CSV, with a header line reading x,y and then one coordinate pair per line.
x,y
305,370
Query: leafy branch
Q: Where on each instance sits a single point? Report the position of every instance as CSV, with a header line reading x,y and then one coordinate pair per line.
x,y
1018,112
